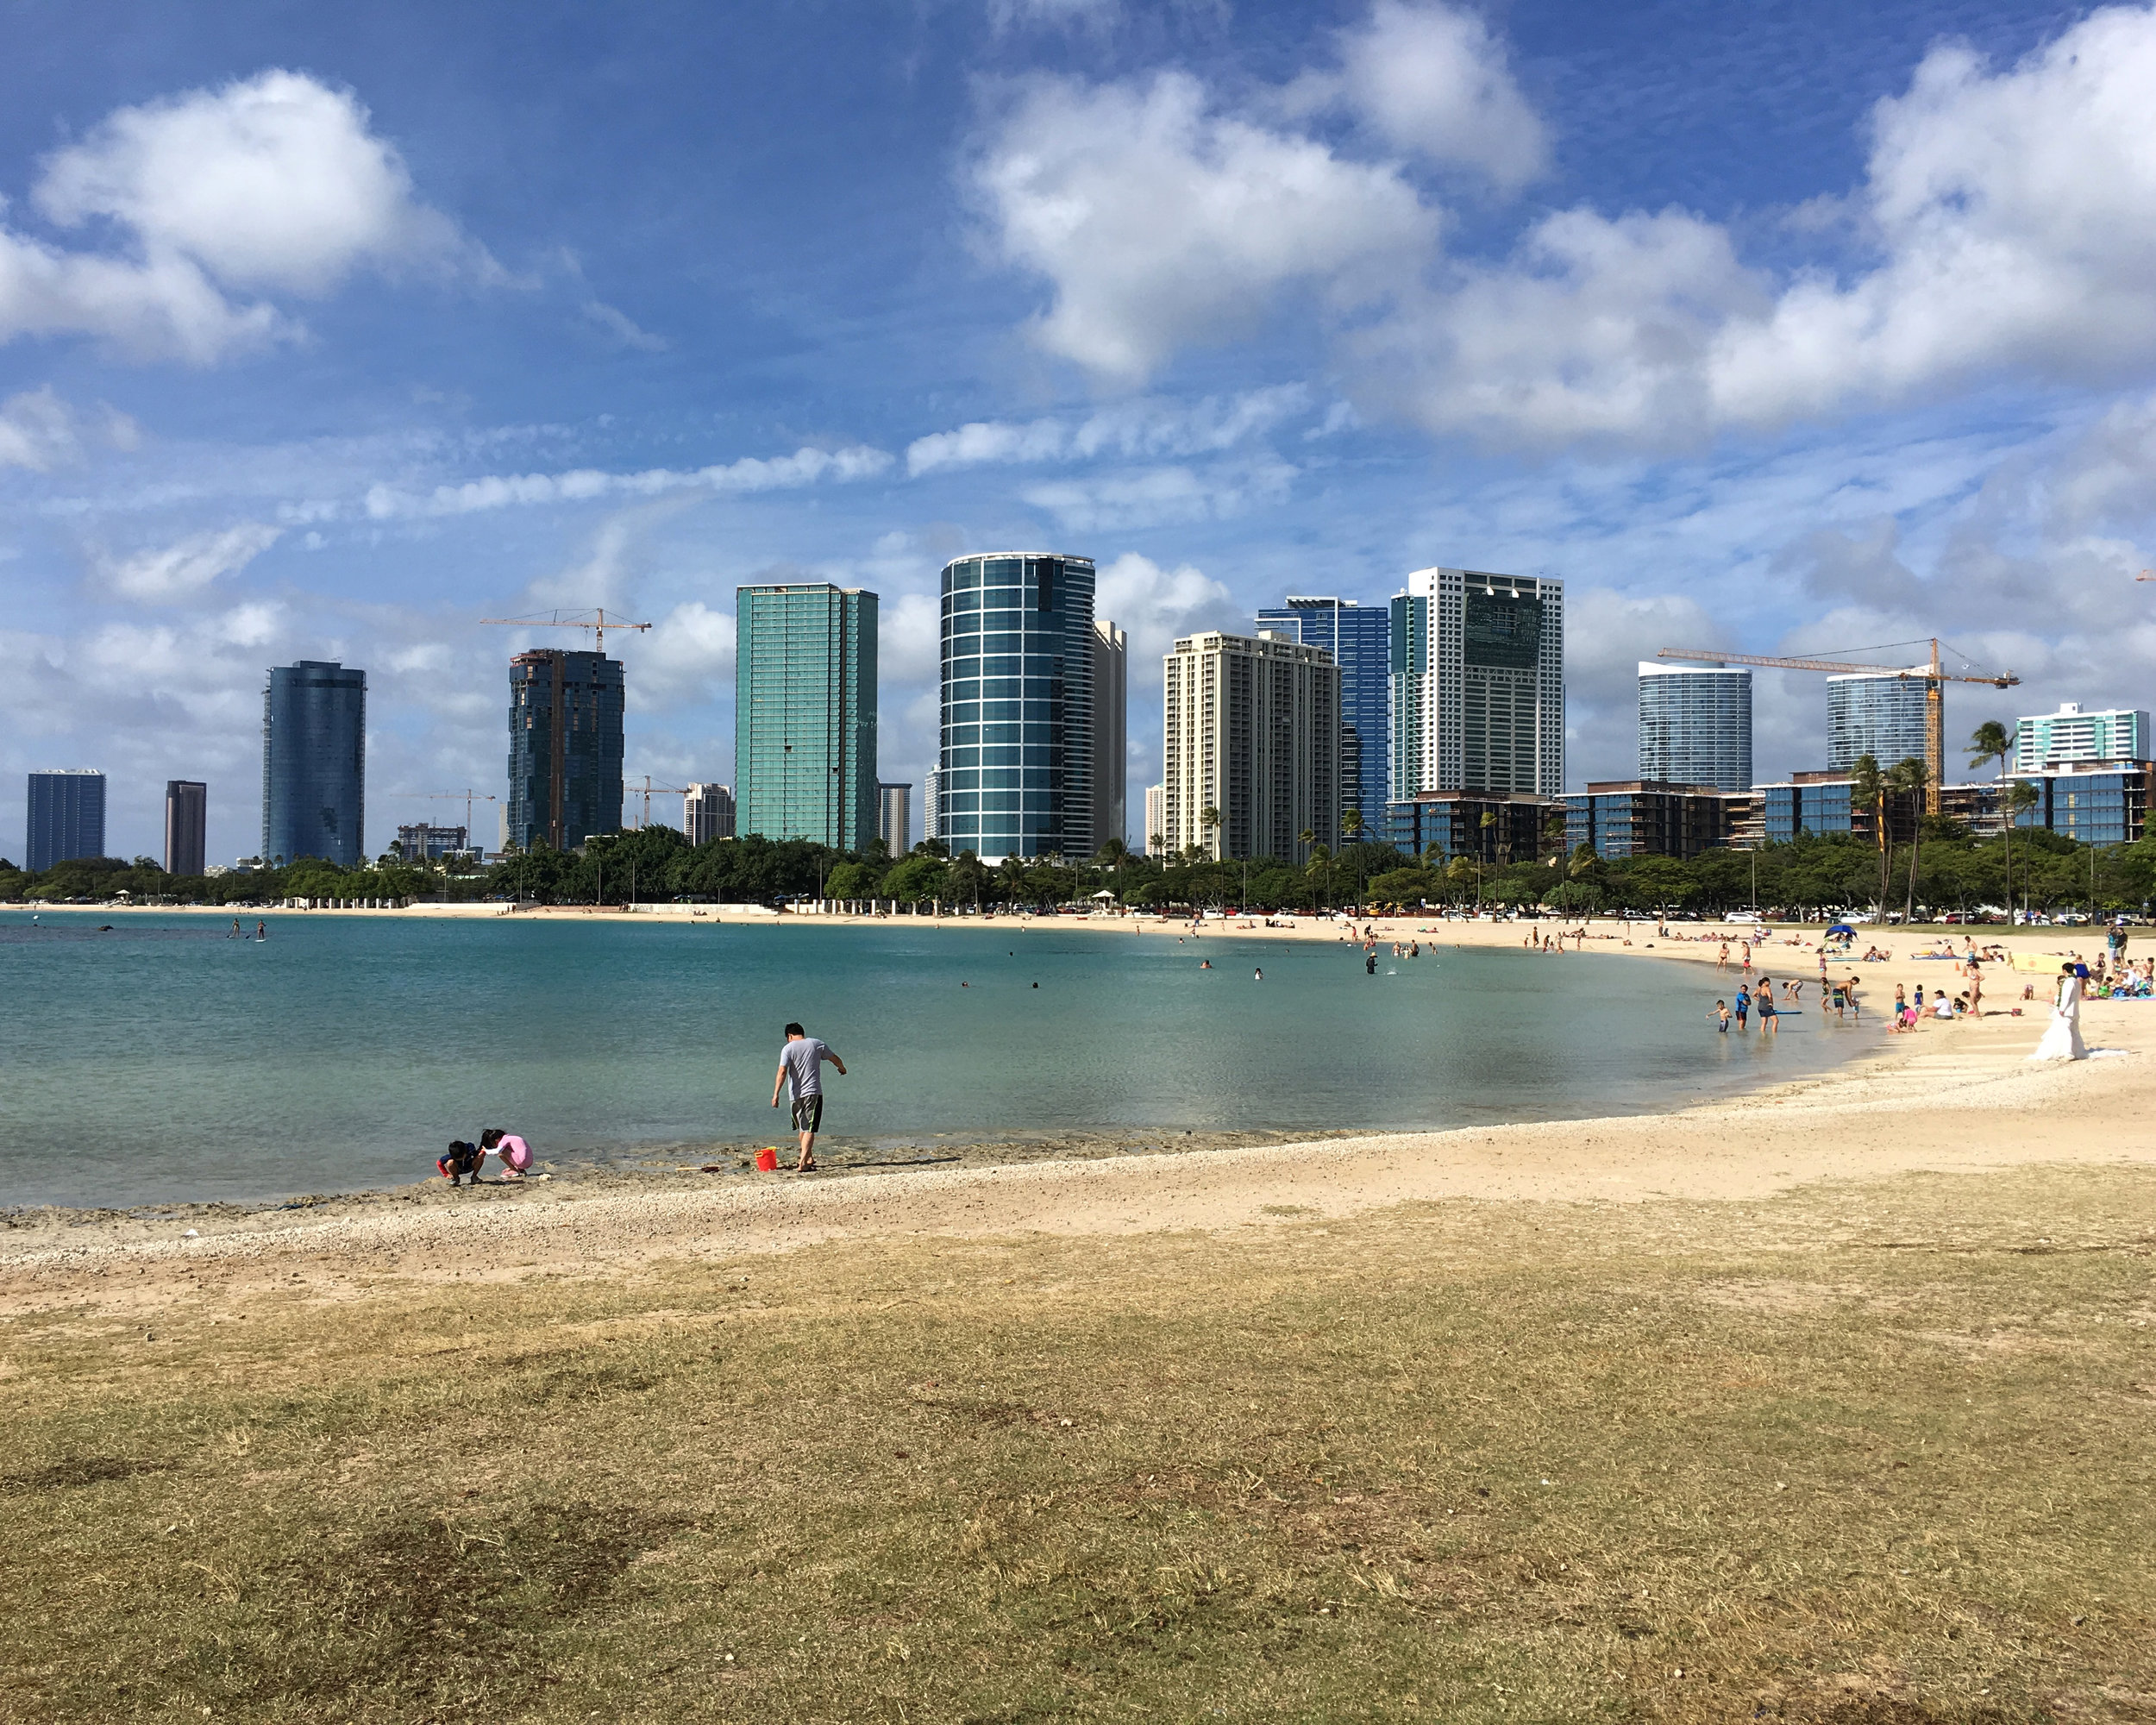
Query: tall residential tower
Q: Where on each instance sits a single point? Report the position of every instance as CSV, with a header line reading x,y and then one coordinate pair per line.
x,y
1250,747
1359,638
1015,770
805,713
66,816
314,764
1882,717
1695,725
186,825
1111,731
565,747
1478,684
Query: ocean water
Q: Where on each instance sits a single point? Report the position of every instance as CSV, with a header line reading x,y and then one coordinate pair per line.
x,y
161,1062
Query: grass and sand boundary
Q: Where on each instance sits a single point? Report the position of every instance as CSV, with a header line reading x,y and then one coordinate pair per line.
x,y
1831,1402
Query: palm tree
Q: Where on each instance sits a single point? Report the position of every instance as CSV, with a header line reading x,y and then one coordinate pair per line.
x,y
1351,825
1868,789
1209,818
1992,741
1910,780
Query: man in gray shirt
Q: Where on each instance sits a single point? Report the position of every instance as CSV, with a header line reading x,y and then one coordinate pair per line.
x,y
801,1066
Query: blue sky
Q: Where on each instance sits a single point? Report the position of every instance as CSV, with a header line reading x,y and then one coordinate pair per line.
x,y
328,333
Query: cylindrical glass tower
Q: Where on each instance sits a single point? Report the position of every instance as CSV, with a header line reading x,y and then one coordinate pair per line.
x,y
1015,773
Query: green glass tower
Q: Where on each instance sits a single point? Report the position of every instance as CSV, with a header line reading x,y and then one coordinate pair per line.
x,y
805,713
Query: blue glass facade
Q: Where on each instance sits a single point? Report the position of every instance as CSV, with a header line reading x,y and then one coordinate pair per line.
x,y
565,747
1359,638
1646,820
68,816
1882,717
1496,829
314,764
2109,807
1015,768
805,713
1791,809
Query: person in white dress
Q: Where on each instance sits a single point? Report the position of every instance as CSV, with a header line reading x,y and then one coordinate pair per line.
x,y
2062,1039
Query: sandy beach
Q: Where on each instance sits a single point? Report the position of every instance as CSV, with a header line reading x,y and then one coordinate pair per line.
x,y
1954,1097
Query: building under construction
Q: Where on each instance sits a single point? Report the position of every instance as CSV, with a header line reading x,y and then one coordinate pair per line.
x,y
565,747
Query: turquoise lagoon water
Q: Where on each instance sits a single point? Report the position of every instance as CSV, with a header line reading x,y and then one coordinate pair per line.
x,y
161,1062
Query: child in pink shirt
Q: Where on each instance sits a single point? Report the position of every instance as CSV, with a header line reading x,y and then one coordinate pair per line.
x,y
515,1153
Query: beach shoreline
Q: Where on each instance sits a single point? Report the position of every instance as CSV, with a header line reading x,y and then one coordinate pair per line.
x,y
1957,1097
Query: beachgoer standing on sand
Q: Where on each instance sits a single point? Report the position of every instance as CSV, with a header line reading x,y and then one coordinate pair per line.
x,y
1976,988
801,1066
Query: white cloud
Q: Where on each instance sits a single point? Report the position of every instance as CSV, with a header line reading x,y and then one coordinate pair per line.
x,y
752,473
271,184
2005,226
1431,80
39,431
910,639
1154,606
1147,427
1160,496
1160,222
182,569
686,659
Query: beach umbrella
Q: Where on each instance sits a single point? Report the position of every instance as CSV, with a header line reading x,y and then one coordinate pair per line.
x,y
1841,928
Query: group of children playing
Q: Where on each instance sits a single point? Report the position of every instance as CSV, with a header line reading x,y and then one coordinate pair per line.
x,y
463,1159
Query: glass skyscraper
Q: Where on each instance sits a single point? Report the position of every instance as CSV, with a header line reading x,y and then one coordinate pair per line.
x,y
1359,638
565,747
805,713
186,825
68,816
1016,763
314,764
1882,717
1695,725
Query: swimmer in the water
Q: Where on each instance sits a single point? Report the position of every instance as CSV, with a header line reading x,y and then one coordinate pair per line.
x,y
1261,973
1205,964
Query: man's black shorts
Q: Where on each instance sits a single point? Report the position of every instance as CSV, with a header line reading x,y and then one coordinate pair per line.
x,y
808,1112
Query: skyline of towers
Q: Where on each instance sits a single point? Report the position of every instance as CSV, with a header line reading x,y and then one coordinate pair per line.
x,y
1476,684
1015,754
1695,725
186,825
65,817
1359,637
314,762
1249,746
566,710
804,713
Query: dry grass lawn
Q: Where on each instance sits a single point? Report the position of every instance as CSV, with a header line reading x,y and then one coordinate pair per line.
x,y
1861,1454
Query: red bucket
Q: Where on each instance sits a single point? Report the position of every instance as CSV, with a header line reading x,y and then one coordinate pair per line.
x,y
767,1159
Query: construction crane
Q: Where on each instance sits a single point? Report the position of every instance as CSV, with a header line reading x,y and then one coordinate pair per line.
x,y
651,790
596,623
467,797
1935,679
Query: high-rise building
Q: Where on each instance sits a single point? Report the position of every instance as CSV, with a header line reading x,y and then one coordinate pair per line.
x,y
707,812
1111,731
894,817
1478,684
1695,726
1156,819
931,799
314,764
1016,756
1250,743
1359,638
423,841
805,713
186,827
565,747
1882,717
2070,737
68,816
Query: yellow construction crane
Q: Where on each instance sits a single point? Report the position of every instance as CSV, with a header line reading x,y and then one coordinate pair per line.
x,y
651,790
1934,678
596,623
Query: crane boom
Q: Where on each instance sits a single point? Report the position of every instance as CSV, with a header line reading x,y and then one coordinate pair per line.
x,y
1934,675
597,625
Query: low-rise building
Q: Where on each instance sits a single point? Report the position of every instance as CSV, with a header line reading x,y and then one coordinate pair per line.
x,y
425,843
1498,827
2103,803
1648,818
2070,737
